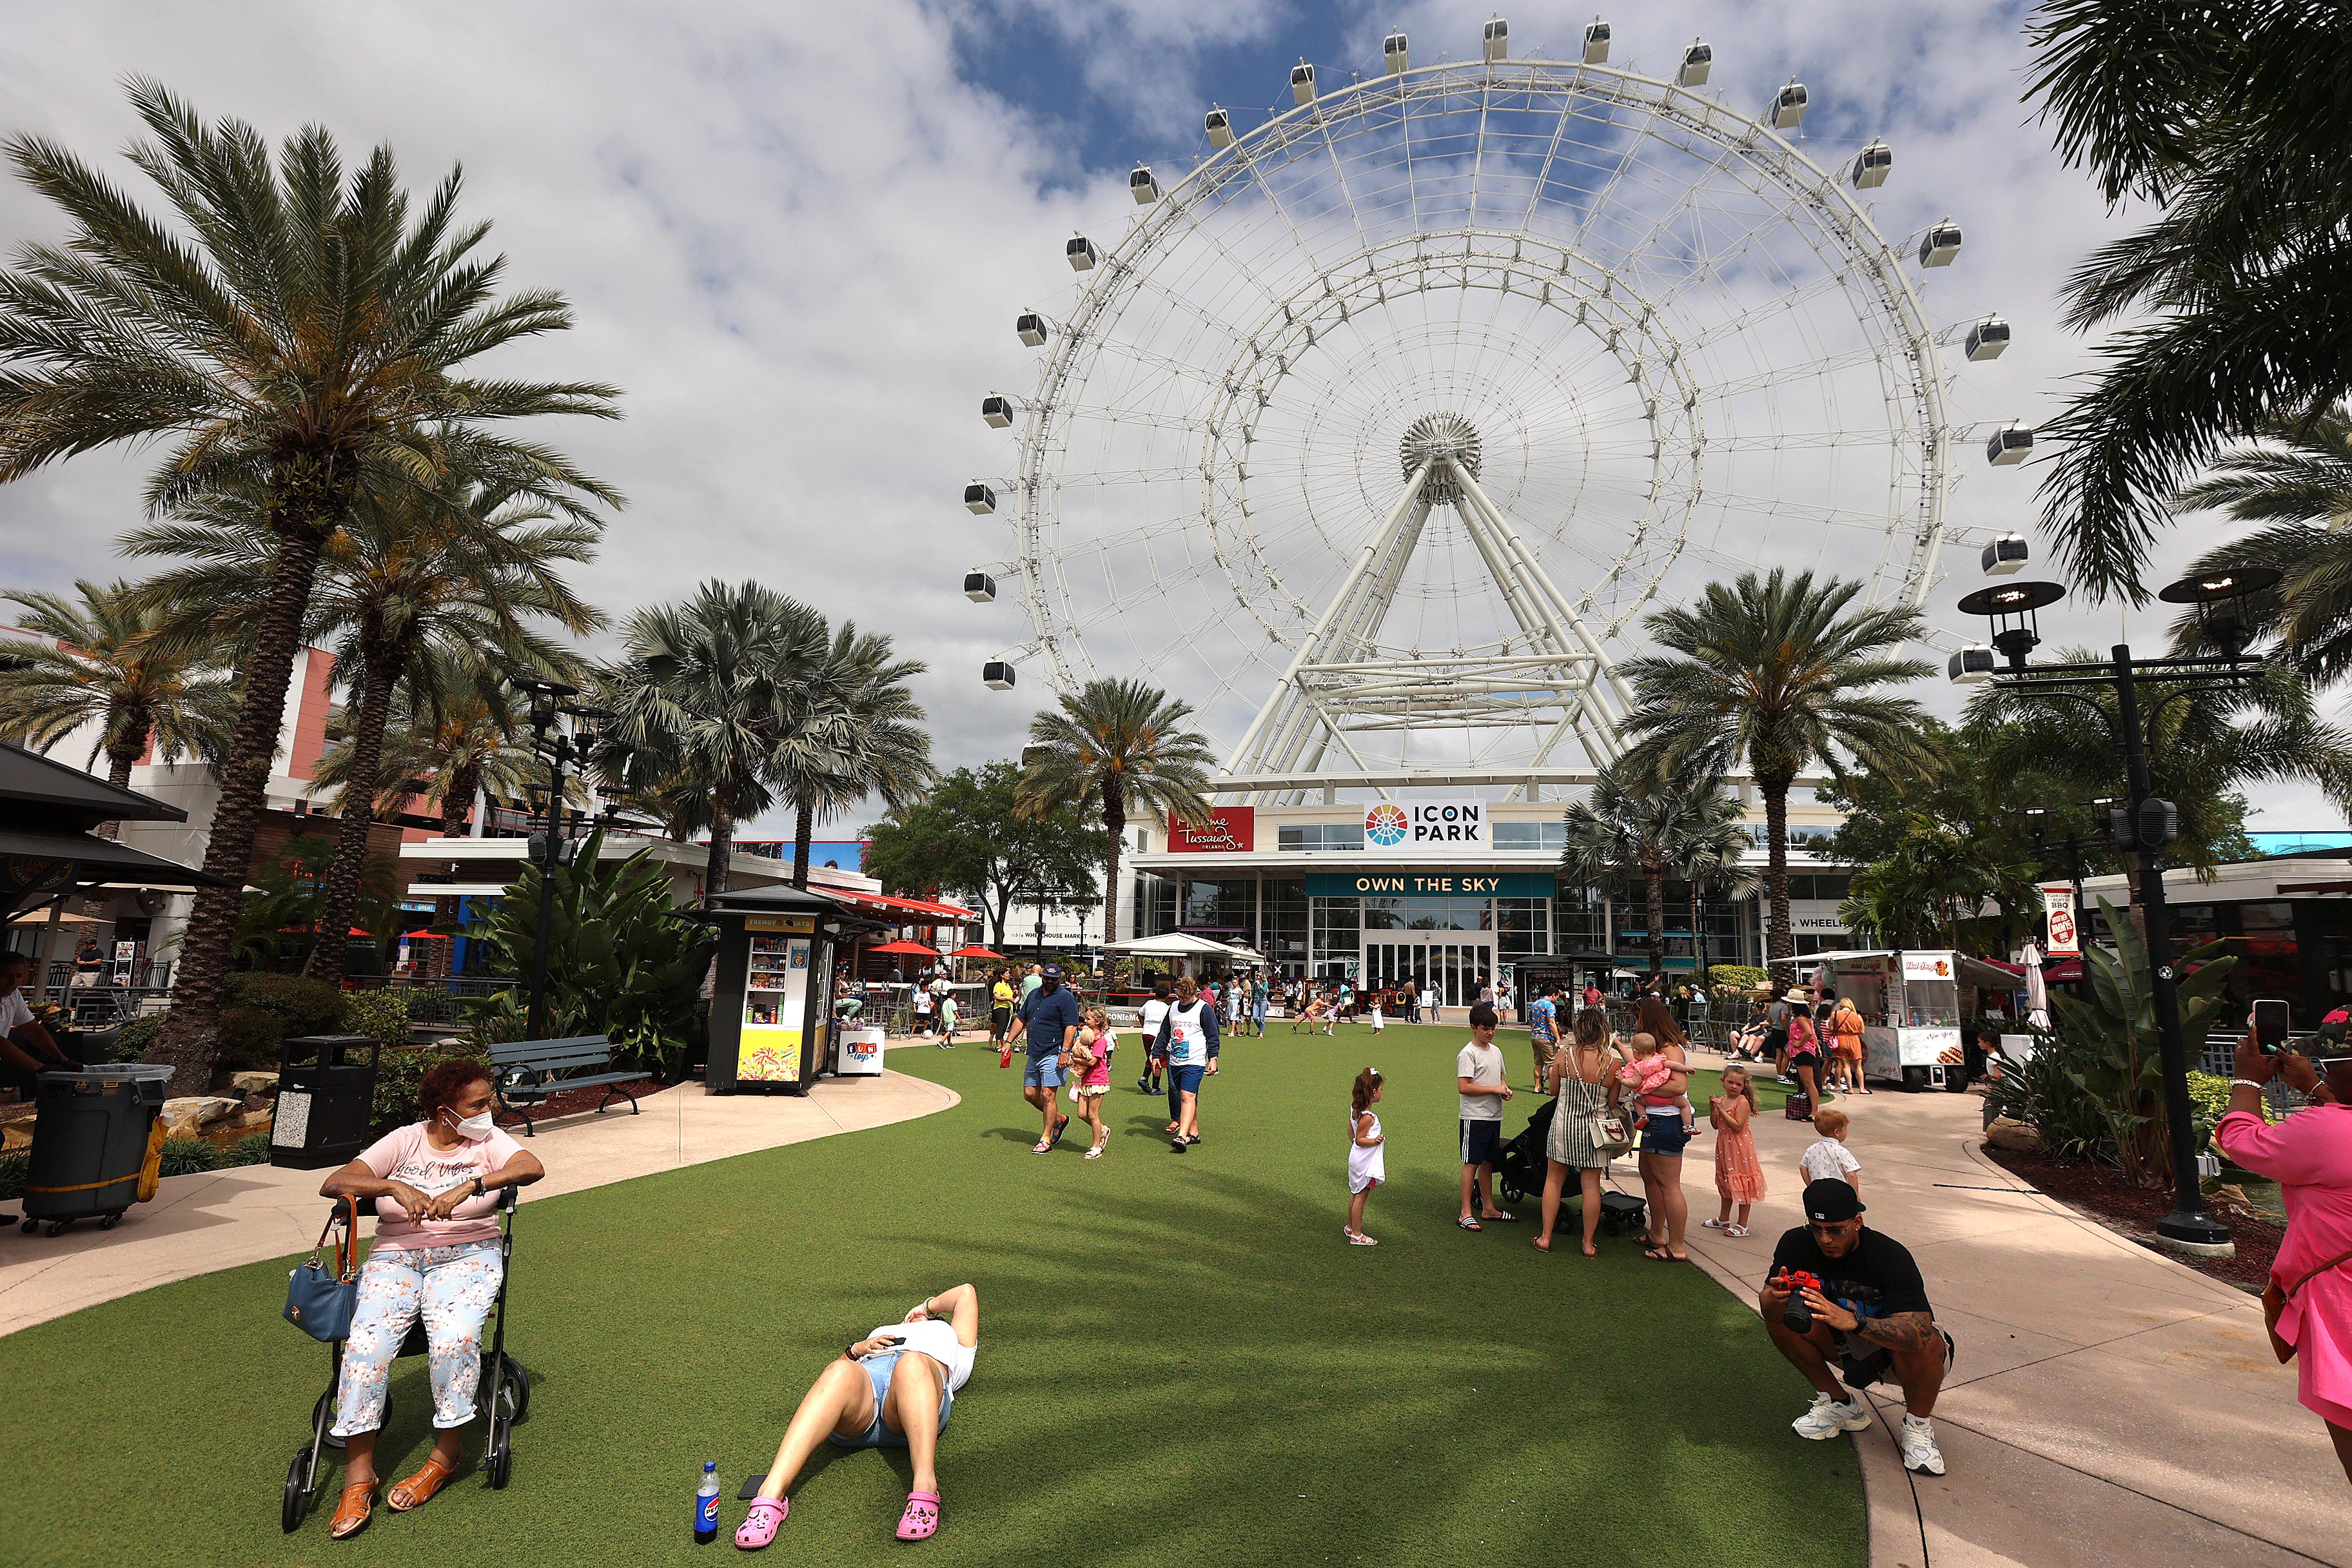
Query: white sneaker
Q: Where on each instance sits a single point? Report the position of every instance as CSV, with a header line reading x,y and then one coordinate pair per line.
x,y
1919,1450
1827,1418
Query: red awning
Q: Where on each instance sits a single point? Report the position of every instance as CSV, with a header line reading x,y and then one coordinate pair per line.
x,y
424,936
976,951
912,949
919,907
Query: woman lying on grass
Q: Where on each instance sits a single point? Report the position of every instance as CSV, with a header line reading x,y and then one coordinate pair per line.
x,y
893,1389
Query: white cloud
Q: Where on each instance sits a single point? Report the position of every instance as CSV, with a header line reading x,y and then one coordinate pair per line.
x,y
797,237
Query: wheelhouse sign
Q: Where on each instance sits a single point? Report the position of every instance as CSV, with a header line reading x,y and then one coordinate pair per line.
x,y
1406,827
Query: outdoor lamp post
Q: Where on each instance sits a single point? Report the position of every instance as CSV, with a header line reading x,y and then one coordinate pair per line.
x,y
559,748
2145,822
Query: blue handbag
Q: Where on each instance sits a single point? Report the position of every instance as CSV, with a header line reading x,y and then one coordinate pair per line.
x,y
320,1301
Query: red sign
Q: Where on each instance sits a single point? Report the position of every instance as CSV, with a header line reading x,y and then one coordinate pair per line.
x,y
1229,828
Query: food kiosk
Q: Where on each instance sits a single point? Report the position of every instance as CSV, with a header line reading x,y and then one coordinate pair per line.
x,y
772,1029
1910,1006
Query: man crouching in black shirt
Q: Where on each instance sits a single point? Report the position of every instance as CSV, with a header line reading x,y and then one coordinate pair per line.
x,y
1870,1312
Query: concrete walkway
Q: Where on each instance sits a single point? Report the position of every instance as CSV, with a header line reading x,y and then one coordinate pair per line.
x,y
2108,1405
219,1219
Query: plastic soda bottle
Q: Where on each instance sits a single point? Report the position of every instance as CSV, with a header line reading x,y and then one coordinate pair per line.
x,y
706,1504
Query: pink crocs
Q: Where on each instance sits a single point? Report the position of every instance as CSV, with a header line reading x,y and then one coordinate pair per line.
x,y
767,1518
921,1519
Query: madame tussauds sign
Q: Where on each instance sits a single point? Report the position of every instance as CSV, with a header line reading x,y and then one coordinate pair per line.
x,y
1405,828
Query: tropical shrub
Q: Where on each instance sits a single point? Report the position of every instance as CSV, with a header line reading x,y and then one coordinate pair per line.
x,y
1737,976
14,1164
620,961
2111,1051
2045,1092
250,1038
131,1040
304,1006
186,1156
381,1014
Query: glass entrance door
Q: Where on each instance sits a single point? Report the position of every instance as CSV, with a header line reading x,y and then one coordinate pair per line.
x,y
1448,966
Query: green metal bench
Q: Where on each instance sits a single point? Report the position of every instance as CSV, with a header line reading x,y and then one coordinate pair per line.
x,y
531,1072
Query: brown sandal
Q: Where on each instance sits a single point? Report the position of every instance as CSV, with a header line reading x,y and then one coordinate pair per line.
x,y
352,1509
418,1488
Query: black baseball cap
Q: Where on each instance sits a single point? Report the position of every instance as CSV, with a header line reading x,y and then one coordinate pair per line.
x,y
1052,971
1831,1202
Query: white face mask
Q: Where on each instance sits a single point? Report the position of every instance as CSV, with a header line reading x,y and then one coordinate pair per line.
x,y
473,1129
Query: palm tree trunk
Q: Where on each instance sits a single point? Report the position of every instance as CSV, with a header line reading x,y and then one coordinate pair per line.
x,y
457,800
803,826
1654,887
121,759
190,1037
1780,944
1114,816
723,848
379,671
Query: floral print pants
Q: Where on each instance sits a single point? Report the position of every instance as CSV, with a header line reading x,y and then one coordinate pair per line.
x,y
453,1288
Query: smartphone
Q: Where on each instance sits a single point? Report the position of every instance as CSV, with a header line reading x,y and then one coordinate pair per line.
x,y
2270,1023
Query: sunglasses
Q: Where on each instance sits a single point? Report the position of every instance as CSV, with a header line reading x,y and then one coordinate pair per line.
x,y
1818,1228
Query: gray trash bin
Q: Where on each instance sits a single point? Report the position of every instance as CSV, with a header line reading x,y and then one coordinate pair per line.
x,y
326,1094
90,1141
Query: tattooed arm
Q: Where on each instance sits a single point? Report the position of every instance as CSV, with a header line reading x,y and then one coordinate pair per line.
x,y
1905,1333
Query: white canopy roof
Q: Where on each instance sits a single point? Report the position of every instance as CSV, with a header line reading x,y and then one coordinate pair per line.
x,y
1182,945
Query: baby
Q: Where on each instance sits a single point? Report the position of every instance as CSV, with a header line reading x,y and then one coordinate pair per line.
x,y
1647,1075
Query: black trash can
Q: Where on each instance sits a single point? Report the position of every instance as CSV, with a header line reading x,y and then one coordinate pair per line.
x,y
326,1093
90,1141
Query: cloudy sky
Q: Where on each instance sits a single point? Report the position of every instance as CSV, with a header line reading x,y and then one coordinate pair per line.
x,y
797,234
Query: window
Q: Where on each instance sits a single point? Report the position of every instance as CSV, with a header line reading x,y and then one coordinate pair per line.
x,y
1285,925
1546,835
1338,938
1319,835
1522,927
1225,911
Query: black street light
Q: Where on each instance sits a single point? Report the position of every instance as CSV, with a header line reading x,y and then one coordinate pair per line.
x,y
2146,822
550,846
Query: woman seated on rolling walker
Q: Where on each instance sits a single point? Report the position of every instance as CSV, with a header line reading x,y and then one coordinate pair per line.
x,y
893,1389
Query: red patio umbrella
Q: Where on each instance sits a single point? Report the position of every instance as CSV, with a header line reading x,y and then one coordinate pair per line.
x,y
972,951
913,949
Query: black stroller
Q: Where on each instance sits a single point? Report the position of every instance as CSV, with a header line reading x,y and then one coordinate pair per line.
x,y
1519,1173
504,1395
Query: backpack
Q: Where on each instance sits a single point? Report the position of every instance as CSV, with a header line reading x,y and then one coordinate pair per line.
x,y
1799,1107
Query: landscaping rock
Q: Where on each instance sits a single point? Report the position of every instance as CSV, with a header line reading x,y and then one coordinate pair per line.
x,y
191,1114
256,1121
16,1135
2008,1133
261,1083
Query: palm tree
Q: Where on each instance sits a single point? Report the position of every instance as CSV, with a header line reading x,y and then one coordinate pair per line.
x,y
859,734
2209,741
2296,481
465,572
299,331
1685,828
450,738
1115,746
706,691
1780,674
108,659
2236,300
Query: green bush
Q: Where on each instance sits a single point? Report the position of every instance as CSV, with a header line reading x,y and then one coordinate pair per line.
x,y
305,1007
381,1014
1737,976
2045,1092
2209,1102
249,1040
13,1166
400,1071
131,1040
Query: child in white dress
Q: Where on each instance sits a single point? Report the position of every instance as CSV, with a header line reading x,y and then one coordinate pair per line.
x,y
1367,1160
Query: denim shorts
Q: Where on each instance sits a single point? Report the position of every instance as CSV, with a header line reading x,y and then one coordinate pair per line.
x,y
879,1368
1664,1132
1043,1072
1187,1077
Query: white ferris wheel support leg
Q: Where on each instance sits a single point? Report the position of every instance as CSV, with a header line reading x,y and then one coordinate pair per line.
x,y
1283,724
1556,610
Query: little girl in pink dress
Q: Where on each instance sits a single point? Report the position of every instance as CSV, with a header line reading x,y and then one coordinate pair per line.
x,y
1738,1174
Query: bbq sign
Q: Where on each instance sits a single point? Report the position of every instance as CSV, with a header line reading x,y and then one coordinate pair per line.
x,y
1413,826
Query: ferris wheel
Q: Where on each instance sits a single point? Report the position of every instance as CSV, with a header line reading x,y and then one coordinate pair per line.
x,y
1376,435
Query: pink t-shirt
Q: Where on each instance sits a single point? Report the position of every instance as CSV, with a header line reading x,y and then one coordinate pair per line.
x,y
1098,1074
404,1155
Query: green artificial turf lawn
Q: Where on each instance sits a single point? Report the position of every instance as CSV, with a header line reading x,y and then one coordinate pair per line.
x,y
1181,1362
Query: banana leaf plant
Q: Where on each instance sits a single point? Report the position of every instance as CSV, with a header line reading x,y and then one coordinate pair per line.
x,y
620,962
2109,1038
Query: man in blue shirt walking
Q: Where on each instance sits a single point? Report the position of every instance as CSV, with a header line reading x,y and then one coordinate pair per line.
x,y
1048,1027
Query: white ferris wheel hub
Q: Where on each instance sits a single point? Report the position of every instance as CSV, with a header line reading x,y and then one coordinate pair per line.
x,y
1436,440
1378,434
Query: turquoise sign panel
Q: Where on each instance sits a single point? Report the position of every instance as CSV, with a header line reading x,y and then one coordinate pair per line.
x,y
1429,884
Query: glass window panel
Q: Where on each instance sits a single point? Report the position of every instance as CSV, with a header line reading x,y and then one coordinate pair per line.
x,y
2267,915
1519,834
1293,838
1343,835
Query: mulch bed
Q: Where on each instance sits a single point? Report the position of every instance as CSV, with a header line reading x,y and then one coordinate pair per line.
x,y
572,1101
2109,1198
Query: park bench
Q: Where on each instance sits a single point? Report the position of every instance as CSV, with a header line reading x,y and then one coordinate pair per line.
x,y
529,1072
